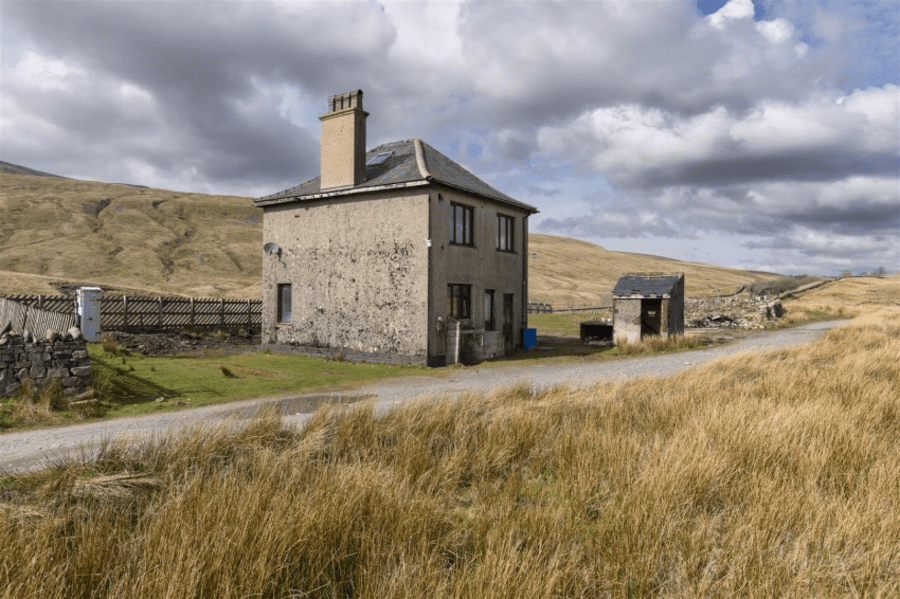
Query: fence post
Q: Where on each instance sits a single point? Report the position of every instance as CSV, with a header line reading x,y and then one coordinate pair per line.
x,y
159,300
222,311
249,315
192,312
125,311
40,302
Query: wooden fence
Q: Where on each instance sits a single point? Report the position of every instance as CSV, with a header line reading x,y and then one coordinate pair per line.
x,y
32,319
539,308
143,313
592,309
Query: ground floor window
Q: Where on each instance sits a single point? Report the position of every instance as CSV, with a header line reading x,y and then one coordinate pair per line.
x,y
284,302
459,298
489,310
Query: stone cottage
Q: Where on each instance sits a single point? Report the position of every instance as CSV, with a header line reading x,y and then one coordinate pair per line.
x,y
394,255
648,304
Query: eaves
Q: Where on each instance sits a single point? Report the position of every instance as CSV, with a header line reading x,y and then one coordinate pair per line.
x,y
350,191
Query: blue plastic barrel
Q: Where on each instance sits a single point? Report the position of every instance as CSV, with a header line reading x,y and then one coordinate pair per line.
x,y
529,338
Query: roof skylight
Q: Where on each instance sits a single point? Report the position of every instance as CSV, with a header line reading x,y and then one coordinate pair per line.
x,y
379,158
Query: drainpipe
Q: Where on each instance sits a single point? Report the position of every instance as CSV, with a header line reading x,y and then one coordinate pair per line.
x,y
458,339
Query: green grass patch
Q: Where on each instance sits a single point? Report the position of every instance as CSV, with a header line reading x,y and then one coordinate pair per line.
x,y
133,383
562,325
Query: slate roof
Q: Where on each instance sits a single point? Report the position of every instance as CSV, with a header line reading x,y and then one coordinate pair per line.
x,y
647,285
400,169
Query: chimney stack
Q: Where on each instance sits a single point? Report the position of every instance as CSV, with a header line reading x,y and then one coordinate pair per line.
x,y
344,141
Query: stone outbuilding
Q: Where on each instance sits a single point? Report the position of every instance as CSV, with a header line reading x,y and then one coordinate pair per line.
x,y
395,255
648,304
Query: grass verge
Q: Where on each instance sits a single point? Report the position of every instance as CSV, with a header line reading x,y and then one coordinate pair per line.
x,y
132,384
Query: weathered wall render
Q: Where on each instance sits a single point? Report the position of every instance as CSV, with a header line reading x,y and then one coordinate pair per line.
x,y
358,267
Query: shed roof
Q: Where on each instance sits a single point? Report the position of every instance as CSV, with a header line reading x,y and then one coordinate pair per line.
x,y
399,169
646,284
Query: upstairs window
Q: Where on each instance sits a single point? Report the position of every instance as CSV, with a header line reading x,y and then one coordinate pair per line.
x,y
284,302
505,233
459,298
461,217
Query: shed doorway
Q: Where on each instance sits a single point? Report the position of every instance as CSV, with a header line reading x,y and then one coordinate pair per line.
x,y
651,316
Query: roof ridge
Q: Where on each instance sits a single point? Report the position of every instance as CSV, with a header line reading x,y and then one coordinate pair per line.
x,y
420,159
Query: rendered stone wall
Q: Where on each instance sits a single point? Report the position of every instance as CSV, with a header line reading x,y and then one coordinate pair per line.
x,y
627,319
358,270
480,265
43,362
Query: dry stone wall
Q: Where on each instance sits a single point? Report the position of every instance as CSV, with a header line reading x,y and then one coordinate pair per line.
x,y
732,312
59,357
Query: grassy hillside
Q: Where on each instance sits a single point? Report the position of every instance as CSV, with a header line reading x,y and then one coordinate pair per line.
x,y
567,272
129,237
848,297
154,241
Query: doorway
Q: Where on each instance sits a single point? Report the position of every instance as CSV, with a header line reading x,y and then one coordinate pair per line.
x,y
651,317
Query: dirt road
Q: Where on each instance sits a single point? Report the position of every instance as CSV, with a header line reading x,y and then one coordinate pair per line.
x,y
32,450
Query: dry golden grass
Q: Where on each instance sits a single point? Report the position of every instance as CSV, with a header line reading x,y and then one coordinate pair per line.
x,y
763,475
571,273
845,298
656,343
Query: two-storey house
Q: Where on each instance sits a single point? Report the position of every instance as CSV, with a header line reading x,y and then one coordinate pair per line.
x,y
394,255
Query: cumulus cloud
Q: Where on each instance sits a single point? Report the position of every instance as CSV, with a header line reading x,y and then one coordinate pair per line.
x,y
637,146
190,90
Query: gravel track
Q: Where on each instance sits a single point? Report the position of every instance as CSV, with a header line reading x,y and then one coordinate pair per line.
x,y
33,450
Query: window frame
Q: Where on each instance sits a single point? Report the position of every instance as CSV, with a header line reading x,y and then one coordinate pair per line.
x,y
506,233
464,215
280,304
459,301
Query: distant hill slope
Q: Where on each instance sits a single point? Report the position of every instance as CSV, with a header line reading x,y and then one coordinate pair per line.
x,y
567,272
140,240
15,169
123,236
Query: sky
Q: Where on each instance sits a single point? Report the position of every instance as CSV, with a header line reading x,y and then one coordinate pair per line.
x,y
758,134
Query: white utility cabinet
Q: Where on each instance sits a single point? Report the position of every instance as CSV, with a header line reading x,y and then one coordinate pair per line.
x,y
88,307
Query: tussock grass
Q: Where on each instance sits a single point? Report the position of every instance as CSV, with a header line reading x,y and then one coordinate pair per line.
x,y
656,343
762,475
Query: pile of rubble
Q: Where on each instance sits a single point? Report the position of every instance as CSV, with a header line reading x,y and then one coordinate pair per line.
x,y
188,343
734,312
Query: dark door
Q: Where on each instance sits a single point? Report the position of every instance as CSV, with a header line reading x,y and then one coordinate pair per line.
x,y
651,317
508,320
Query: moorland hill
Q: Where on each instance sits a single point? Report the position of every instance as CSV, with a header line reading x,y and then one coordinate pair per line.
x,y
141,240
